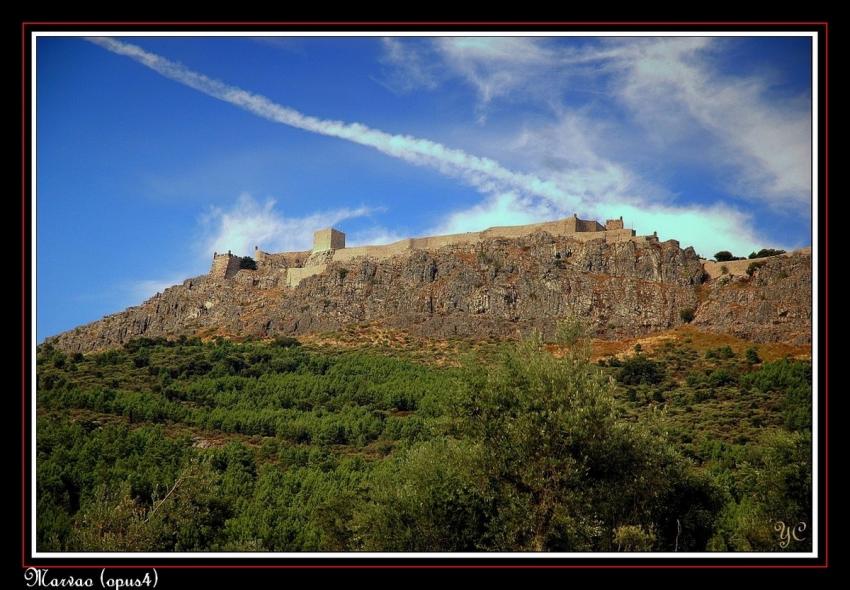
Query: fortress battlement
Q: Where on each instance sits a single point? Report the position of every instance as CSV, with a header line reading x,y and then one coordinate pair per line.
x,y
329,246
225,266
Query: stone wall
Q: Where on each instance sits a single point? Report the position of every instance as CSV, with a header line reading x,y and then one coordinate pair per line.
x,y
328,239
577,229
624,235
281,259
224,266
730,267
583,226
329,245
296,275
737,267
384,251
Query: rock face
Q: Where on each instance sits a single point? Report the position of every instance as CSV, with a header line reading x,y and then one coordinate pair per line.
x,y
772,305
498,287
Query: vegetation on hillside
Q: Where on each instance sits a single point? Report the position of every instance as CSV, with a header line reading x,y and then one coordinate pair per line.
x,y
191,446
248,263
764,252
725,256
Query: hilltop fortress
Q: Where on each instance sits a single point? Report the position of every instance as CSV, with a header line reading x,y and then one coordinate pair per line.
x,y
329,246
497,283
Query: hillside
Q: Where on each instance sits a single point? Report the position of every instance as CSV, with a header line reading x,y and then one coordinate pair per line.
x,y
499,287
416,409
270,446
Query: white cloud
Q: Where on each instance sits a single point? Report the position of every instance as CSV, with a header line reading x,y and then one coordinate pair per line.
x,y
497,210
493,66
708,229
373,236
587,183
485,174
759,145
565,152
673,89
410,66
496,66
250,223
143,289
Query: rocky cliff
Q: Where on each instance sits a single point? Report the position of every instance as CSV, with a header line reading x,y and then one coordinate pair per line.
x,y
773,304
499,287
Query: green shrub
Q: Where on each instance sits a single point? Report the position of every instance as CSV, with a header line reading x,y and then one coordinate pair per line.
x,y
687,315
538,460
633,538
639,369
794,380
764,252
141,359
695,379
753,267
721,377
286,342
752,356
724,256
722,352
351,450
246,262
700,395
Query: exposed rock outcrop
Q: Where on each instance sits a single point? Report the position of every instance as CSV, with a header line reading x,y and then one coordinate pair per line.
x,y
774,304
497,287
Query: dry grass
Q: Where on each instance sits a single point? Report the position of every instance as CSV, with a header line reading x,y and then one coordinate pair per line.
x,y
390,341
699,341
440,352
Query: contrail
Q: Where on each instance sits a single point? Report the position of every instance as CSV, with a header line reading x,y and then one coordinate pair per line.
x,y
710,227
483,173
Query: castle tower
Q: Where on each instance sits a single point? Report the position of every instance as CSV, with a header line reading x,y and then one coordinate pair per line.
x,y
614,223
328,239
224,266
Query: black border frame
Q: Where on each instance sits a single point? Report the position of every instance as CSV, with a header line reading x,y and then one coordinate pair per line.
x,y
220,567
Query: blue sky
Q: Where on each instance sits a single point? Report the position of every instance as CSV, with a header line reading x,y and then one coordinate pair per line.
x,y
152,152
